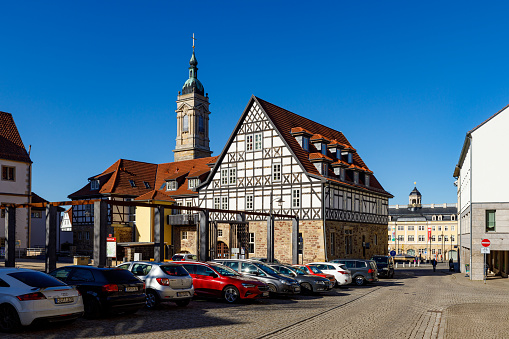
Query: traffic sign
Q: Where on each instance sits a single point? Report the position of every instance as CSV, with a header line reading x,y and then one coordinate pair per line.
x,y
392,253
485,250
485,242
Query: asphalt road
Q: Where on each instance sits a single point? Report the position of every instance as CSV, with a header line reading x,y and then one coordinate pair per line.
x,y
417,303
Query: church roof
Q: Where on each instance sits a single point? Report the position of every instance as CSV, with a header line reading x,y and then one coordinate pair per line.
x,y
11,145
415,192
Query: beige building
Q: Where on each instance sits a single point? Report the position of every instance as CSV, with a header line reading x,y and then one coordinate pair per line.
x,y
426,231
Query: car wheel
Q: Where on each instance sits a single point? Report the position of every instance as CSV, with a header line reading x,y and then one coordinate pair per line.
x,y
359,280
231,294
9,319
305,288
151,299
92,308
272,288
182,303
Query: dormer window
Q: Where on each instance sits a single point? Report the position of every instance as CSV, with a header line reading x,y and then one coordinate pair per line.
x,y
171,185
147,185
325,168
356,177
305,144
133,184
94,185
350,158
192,183
366,179
324,149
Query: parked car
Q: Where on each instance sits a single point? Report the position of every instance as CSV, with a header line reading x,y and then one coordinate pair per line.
x,y
184,257
341,273
27,296
315,271
404,258
384,265
362,270
308,283
163,282
264,260
212,279
278,284
104,290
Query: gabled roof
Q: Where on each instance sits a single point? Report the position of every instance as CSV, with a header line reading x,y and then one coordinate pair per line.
x,y
115,180
287,123
155,195
11,145
190,168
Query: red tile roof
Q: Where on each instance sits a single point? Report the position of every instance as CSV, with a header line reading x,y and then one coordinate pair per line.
x,y
11,145
300,130
286,122
318,156
155,195
317,137
190,167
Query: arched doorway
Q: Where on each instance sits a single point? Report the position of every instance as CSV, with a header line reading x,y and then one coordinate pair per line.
x,y
453,254
410,252
222,250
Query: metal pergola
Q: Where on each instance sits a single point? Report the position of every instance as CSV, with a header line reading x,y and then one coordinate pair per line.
x,y
205,235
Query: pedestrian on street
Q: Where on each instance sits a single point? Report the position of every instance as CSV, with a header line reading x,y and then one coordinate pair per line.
x,y
434,263
451,264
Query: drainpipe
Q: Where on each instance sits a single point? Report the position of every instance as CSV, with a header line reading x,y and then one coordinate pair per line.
x,y
323,218
29,198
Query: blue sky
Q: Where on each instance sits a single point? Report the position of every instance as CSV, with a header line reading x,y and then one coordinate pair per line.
x,y
91,82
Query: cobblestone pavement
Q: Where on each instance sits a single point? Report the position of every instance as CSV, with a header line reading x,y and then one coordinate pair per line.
x,y
418,303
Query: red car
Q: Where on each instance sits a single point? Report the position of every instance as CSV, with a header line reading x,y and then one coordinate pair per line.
x,y
309,269
218,281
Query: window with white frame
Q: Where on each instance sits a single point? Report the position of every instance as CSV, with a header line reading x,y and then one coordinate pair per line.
x,y
189,204
276,172
421,228
452,238
249,202
94,184
224,203
295,198
446,228
433,251
401,238
184,235
219,233
439,251
258,144
232,176
251,243
217,203
452,227
171,185
249,142
421,238
433,238
410,228
224,176
439,238
401,227
446,238
440,228
433,228
410,238
192,183
453,217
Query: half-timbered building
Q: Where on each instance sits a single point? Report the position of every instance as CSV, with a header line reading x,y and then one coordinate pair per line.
x,y
278,161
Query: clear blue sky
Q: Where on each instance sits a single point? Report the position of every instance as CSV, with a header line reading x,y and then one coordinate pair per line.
x,y
89,82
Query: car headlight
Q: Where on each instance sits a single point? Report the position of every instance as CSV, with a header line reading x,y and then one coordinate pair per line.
x,y
385,268
284,282
248,285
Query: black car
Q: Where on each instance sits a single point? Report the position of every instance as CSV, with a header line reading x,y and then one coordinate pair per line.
x,y
104,290
385,265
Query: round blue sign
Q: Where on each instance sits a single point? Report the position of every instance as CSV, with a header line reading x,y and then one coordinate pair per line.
x,y
392,253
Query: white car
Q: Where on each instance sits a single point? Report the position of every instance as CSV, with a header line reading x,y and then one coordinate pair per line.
x,y
28,295
342,275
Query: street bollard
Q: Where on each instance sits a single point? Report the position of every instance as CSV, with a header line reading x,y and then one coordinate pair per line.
x,y
396,265
403,264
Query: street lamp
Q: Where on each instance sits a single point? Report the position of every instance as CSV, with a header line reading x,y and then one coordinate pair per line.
x,y
443,244
270,229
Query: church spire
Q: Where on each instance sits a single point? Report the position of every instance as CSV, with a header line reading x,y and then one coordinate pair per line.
x,y
193,84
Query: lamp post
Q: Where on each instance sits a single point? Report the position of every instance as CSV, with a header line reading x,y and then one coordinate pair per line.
x,y
270,229
443,244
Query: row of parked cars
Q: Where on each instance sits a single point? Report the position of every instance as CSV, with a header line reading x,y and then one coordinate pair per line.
x,y
67,293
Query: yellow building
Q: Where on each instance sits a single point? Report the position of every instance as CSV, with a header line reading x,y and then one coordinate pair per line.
x,y
425,231
145,216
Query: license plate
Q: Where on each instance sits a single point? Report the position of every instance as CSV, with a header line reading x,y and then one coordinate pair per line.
x,y
182,294
64,300
265,294
131,289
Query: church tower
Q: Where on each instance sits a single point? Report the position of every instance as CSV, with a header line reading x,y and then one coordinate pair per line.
x,y
192,117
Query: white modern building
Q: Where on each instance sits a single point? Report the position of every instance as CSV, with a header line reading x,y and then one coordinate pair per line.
x,y
483,197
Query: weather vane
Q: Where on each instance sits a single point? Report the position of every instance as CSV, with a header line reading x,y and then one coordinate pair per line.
x,y
193,41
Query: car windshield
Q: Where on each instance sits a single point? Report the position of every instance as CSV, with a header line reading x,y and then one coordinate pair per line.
x,y
224,271
176,270
315,269
299,271
177,257
381,260
36,279
120,276
266,269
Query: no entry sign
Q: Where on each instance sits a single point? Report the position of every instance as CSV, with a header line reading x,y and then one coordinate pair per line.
x,y
485,242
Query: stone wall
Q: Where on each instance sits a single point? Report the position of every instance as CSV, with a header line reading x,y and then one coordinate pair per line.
x,y
185,245
374,234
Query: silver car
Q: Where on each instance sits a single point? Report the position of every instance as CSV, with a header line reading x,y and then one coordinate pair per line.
x,y
163,281
308,283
